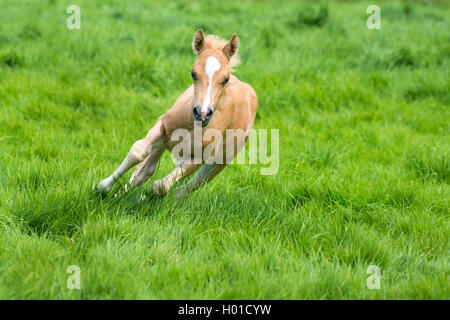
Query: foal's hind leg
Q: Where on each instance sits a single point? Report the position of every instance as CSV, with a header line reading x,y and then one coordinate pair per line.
x,y
183,169
211,169
204,175
138,152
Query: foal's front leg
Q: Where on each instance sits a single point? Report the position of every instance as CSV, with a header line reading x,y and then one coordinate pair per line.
x,y
138,152
146,168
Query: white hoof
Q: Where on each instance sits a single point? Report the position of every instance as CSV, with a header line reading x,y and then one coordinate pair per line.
x,y
106,185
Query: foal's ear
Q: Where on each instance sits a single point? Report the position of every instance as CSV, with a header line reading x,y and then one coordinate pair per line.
x,y
199,41
232,46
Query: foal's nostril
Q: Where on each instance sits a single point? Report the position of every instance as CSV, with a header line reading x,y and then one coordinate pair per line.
x,y
209,113
196,112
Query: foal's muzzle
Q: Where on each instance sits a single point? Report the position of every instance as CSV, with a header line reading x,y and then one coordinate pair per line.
x,y
204,117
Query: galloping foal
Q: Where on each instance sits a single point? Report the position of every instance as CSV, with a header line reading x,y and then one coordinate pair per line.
x,y
216,100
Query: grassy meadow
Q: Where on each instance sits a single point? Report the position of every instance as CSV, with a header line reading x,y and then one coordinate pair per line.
x,y
364,174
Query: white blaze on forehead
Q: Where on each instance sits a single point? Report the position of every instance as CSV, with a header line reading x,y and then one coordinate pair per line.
x,y
212,65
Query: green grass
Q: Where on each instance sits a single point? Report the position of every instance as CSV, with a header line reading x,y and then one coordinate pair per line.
x,y
364,152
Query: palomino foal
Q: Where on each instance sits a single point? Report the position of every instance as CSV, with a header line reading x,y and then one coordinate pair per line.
x,y
216,100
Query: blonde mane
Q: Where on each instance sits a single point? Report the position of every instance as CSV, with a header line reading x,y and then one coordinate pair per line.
x,y
216,43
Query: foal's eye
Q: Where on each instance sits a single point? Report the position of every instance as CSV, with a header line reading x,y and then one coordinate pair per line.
x,y
193,75
224,82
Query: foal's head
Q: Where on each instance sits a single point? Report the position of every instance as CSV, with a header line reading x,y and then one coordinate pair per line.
x,y
211,72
